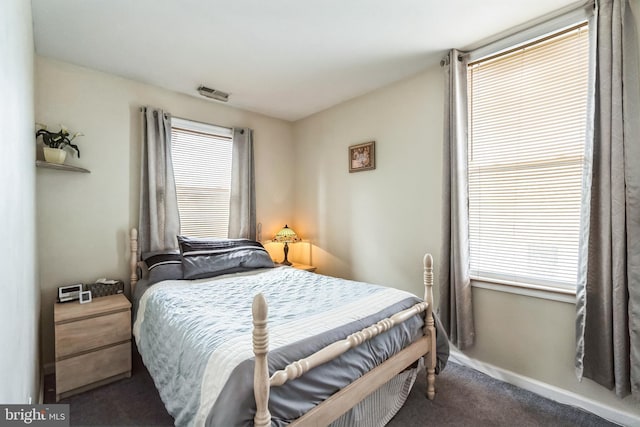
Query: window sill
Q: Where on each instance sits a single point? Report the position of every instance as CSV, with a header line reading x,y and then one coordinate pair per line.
x,y
536,291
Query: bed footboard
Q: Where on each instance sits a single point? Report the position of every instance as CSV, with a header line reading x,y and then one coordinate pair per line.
x,y
343,400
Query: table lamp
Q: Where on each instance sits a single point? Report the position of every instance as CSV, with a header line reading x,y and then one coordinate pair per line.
x,y
286,236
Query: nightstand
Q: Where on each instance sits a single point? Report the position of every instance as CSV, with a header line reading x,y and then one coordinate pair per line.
x,y
303,267
93,343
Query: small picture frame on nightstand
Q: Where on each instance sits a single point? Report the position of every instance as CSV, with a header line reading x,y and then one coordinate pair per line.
x,y
85,297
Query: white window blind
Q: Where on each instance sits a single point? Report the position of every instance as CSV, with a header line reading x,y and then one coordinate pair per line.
x,y
527,118
201,157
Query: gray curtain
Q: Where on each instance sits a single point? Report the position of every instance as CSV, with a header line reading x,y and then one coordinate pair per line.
x,y
159,220
455,307
608,292
242,212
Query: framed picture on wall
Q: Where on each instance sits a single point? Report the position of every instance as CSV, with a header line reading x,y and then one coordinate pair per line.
x,y
362,157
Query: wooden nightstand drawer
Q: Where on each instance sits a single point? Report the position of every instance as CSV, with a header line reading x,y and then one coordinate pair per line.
x,y
92,367
72,311
88,334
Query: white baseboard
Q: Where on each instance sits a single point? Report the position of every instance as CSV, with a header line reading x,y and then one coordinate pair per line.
x,y
549,391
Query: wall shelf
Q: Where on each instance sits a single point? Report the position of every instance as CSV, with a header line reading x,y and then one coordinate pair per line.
x,y
43,164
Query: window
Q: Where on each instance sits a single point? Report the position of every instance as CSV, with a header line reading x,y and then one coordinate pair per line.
x,y
527,122
201,157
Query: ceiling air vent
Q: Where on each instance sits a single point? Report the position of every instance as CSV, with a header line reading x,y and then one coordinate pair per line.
x,y
213,93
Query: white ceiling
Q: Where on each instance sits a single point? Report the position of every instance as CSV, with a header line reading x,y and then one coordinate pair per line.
x,y
283,58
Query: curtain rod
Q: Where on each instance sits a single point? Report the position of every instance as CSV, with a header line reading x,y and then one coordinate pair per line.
x,y
143,108
560,18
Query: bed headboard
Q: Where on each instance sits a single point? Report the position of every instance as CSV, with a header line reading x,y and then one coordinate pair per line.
x,y
427,262
133,258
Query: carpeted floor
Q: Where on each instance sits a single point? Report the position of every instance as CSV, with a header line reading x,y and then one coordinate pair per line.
x,y
465,397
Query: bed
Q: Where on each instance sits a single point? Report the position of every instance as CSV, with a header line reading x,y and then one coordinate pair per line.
x,y
325,351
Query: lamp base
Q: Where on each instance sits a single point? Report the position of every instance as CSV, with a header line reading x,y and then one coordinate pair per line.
x,y
286,252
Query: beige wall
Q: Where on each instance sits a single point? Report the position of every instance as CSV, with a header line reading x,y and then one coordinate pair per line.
x,y
83,219
375,225
20,302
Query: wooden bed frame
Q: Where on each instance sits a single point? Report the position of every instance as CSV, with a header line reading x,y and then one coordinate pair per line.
x,y
335,406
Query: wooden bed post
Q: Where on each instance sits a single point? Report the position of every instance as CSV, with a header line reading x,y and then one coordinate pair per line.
x,y
430,326
133,258
260,350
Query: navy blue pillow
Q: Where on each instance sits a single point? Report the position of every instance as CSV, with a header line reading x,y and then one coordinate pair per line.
x,y
163,265
209,258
